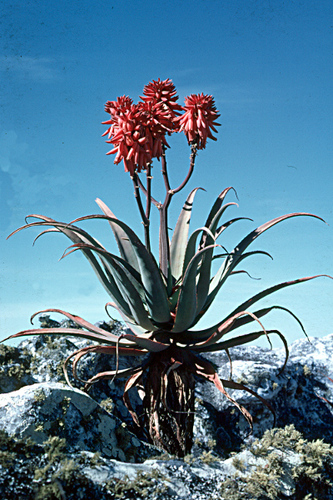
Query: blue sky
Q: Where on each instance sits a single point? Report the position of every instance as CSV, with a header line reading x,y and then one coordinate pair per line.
x,y
269,66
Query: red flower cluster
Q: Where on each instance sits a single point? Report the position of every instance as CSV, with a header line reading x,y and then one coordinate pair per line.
x,y
199,117
163,92
138,131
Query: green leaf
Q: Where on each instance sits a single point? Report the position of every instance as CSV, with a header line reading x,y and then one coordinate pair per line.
x,y
131,273
215,208
123,242
225,328
154,288
234,257
268,291
131,295
187,302
224,226
180,235
191,247
237,341
196,336
218,215
127,289
134,327
81,237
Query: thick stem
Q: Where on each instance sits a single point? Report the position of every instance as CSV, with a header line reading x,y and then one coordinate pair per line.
x,y
169,408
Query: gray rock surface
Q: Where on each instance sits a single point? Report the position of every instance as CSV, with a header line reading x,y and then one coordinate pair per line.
x,y
47,409
59,442
296,394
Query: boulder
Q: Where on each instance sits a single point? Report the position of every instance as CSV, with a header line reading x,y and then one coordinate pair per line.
x,y
299,395
43,410
56,441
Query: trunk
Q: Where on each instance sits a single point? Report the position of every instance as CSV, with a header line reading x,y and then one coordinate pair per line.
x,y
168,407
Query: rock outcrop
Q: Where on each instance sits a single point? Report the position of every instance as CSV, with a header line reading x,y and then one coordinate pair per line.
x,y
57,442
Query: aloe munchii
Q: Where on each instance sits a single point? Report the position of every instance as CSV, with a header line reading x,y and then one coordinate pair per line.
x,y
162,303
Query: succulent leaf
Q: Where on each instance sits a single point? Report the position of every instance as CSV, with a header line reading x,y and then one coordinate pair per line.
x,y
216,206
268,291
123,242
154,287
180,235
233,258
218,215
134,327
80,237
191,247
132,273
187,302
128,288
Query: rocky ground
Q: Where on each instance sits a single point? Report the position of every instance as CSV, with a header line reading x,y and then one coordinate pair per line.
x,y
57,442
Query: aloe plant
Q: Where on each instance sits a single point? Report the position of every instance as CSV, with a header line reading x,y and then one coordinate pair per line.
x,y
162,302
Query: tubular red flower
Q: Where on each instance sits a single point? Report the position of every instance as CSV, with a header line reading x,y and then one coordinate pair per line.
x,y
137,131
199,119
130,138
118,107
115,109
163,92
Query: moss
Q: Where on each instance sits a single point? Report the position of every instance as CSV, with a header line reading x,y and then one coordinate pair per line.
x,y
65,404
52,487
39,396
96,460
306,370
208,458
140,487
315,473
108,405
58,474
60,373
11,449
15,361
189,459
43,472
313,476
264,481
239,464
211,443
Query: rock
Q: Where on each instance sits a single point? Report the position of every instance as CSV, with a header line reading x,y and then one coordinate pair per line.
x,y
281,465
15,368
296,394
47,409
57,430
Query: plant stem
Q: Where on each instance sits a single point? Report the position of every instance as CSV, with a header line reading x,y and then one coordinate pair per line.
x,y
190,172
148,195
144,218
144,190
164,248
